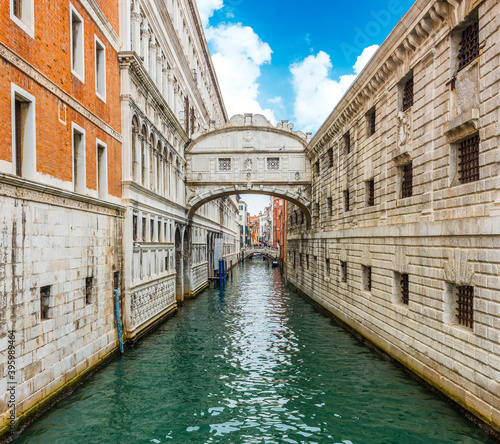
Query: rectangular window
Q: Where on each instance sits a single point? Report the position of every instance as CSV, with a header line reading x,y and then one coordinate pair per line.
x,y
468,159
89,290
347,203
330,157
366,278
102,170
225,164
166,263
343,271
469,45
327,267
134,228
408,94
307,259
371,122
77,44
273,163
317,167
407,180
45,303
404,288
144,229
347,142
465,306
159,231
79,179
22,12
152,228
330,207
100,69
23,133
370,193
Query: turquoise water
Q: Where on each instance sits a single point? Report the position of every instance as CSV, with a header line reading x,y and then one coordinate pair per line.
x,y
252,364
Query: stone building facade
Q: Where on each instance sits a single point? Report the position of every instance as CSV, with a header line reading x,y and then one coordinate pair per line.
x,y
100,99
404,241
169,91
60,195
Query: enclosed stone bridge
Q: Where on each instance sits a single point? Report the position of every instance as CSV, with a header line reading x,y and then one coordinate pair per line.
x,y
269,252
248,156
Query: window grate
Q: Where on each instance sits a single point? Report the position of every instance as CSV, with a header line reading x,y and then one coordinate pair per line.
x,y
347,203
89,284
347,142
327,267
369,278
371,122
408,94
405,289
330,157
371,193
469,46
407,182
469,159
317,167
343,271
465,306
45,302
225,164
330,207
273,163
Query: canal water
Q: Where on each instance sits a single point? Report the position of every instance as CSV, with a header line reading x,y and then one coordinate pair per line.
x,y
252,364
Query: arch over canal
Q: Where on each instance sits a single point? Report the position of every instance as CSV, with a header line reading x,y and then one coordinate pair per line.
x,y
248,156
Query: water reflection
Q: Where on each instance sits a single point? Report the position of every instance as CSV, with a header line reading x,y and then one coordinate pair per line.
x,y
252,363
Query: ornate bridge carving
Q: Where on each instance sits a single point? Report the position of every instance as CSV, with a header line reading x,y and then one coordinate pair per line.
x,y
248,156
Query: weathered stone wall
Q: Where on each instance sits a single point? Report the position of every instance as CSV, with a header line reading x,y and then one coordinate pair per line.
x,y
48,240
445,235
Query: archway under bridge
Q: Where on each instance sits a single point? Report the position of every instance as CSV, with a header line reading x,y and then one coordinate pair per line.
x,y
248,156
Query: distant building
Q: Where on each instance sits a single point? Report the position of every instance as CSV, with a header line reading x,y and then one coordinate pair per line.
x,y
243,222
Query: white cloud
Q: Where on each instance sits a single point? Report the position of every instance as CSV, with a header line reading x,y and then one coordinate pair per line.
x,y
207,9
238,55
316,93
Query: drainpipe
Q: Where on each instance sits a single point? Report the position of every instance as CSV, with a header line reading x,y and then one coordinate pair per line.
x,y
118,320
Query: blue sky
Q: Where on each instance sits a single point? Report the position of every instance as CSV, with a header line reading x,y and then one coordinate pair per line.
x,y
293,60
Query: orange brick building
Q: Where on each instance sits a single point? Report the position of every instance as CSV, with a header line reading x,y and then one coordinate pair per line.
x,y
60,192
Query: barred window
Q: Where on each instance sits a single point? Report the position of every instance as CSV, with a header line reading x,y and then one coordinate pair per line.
x,y
343,271
224,164
407,180
45,303
330,157
273,163
469,45
89,290
327,267
330,206
367,278
144,229
468,159
465,306
317,166
134,228
370,193
347,142
405,289
408,94
371,121
347,203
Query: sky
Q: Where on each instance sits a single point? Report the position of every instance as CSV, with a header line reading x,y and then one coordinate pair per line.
x,y
293,60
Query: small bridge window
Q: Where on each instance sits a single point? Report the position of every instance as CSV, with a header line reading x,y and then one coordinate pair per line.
x,y
273,163
225,164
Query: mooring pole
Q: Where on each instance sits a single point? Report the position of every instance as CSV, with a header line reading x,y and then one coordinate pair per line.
x,y
118,320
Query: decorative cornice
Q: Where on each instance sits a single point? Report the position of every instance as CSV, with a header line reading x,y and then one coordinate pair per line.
x,y
40,78
404,40
131,61
22,188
